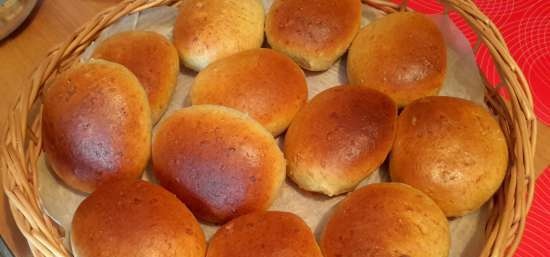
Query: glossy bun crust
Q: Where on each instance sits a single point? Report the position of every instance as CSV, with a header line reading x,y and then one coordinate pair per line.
x,y
218,161
96,125
313,33
386,220
339,138
133,218
267,85
151,57
402,54
451,149
266,234
208,30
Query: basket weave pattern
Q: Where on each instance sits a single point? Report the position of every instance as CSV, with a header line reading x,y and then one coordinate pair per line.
x,y
22,137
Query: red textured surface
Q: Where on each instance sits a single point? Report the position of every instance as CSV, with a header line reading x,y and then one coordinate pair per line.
x,y
525,26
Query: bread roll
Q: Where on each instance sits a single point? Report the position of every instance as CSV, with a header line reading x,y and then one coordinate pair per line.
x,y
218,161
151,57
208,30
402,54
265,234
313,33
339,138
133,218
96,125
386,219
267,85
451,149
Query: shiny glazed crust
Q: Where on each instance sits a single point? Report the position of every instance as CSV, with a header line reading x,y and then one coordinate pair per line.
x,y
267,85
151,57
451,149
402,54
386,220
339,138
218,161
96,125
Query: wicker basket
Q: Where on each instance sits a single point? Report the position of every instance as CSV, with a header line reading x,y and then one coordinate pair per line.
x,y
509,207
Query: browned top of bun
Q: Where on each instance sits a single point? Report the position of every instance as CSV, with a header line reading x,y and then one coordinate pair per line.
x,y
133,218
386,219
310,31
151,57
267,85
402,54
96,125
452,149
220,162
266,234
339,138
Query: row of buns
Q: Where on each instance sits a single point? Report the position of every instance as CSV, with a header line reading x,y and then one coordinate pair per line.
x,y
220,158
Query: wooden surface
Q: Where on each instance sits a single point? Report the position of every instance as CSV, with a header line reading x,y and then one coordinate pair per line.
x,y
51,23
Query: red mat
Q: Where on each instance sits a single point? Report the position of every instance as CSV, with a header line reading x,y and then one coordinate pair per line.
x,y
525,25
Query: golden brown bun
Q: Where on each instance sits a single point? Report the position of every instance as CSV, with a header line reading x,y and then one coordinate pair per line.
x,y
339,138
208,30
151,57
96,125
451,149
267,85
402,54
133,218
386,220
265,234
313,33
218,161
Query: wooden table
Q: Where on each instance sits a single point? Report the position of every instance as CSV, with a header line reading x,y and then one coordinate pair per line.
x,y
51,23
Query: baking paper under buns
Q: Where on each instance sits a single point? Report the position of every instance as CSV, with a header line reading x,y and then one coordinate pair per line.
x,y
313,33
402,54
451,149
207,30
339,138
151,57
386,220
96,125
264,234
135,219
218,161
267,85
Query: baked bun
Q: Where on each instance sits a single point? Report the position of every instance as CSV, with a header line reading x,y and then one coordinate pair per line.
x,y
265,234
151,57
402,54
339,138
451,149
218,161
313,33
96,125
207,30
133,218
386,219
267,85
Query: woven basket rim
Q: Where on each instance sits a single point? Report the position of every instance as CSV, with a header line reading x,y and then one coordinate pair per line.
x,y
504,228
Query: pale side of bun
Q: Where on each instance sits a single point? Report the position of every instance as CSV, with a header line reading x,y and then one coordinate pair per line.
x,y
133,218
261,82
218,161
386,219
96,125
451,149
265,234
339,138
313,33
208,30
402,54
151,57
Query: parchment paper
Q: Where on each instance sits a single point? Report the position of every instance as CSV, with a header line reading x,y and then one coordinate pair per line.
x,y
462,80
